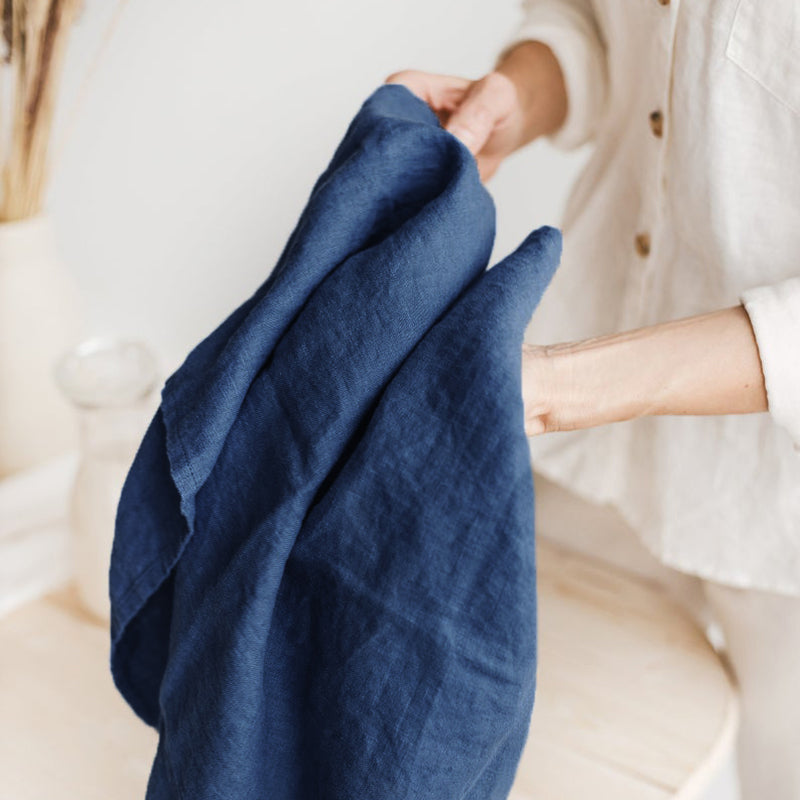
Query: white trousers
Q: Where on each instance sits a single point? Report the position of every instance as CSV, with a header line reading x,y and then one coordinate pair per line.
x,y
761,635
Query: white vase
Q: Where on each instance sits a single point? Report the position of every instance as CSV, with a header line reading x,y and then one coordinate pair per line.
x,y
42,314
112,385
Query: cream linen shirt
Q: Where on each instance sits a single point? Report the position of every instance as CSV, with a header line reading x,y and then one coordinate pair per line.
x,y
689,203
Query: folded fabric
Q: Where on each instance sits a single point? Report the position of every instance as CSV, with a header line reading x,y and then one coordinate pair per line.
x,y
323,579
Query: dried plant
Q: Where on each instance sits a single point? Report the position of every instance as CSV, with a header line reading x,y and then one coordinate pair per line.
x,y
35,34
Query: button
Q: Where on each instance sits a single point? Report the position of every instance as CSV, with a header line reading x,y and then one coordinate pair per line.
x,y
664,2
642,243
657,123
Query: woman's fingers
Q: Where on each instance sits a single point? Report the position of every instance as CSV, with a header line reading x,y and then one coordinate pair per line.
x,y
486,104
442,93
484,114
537,388
534,426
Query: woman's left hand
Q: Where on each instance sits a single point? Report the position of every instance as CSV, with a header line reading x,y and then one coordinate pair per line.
x,y
706,364
557,397
537,387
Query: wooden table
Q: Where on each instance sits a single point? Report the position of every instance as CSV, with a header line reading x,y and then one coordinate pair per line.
x,y
631,701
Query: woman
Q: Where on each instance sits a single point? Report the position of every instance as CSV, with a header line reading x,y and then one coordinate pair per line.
x,y
675,312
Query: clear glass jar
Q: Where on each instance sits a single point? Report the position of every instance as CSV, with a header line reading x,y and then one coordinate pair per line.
x,y
111,383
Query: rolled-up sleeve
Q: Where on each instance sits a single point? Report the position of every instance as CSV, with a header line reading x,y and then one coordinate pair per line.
x,y
569,29
774,312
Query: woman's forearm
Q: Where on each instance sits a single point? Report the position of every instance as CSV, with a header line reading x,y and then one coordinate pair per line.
x,y
542,94
706,364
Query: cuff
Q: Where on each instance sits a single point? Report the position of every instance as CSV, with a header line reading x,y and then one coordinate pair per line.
x,y
570,31
774,313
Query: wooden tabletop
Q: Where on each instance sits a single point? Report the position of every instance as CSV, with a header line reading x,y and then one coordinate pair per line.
x,y
631,701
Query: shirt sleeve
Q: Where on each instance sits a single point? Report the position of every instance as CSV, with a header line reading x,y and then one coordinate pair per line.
x,y
774,312
569,29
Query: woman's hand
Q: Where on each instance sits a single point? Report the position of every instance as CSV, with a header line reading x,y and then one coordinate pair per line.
x,y
564,393
522,98
706,364
485,114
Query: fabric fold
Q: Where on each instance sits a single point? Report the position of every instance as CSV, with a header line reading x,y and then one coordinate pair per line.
x,y
300,601
394,163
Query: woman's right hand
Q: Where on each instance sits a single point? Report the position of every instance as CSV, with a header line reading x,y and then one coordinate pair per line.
x,y
485,114
522,98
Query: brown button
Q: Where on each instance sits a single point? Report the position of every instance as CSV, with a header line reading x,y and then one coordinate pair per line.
x,y
657,123
642,242
664,2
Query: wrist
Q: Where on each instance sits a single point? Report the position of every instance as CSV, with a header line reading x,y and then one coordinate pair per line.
x,y
539,83
705,364
603,380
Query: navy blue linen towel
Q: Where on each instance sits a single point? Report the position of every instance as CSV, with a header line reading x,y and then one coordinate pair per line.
x,y
323,579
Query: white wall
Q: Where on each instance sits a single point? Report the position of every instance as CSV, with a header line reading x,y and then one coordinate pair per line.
x,y
193,148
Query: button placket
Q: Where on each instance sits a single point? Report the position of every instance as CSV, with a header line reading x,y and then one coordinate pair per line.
x,y
645,238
